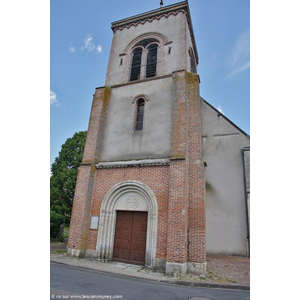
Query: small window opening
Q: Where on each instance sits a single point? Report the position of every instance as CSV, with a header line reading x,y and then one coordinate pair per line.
x,y
136,64
121,61
151,61
193,62
169,51
140,114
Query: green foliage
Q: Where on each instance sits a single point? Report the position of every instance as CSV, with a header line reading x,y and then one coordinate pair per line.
x,y
63,180
55,220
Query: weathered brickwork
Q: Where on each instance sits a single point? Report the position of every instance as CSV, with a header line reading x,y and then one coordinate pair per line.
x,y
182,34
174,186
95,135
179,188
196,248
186,231
79,226
177,214
179,116
156,177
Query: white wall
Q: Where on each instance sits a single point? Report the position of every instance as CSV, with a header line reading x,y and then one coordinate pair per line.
x,y
226,230
121,142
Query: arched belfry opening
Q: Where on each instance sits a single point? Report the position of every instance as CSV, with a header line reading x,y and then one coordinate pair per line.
x,y
128,199
144,40
145,53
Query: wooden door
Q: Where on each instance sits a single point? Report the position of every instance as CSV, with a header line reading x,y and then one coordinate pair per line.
x,y
130,237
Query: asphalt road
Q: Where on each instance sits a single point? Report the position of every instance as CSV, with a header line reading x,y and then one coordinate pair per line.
x,y
68,282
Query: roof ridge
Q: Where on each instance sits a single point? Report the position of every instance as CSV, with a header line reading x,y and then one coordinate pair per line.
x,y
246,134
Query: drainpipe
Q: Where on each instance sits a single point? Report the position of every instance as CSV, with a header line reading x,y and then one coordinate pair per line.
x,y
245,190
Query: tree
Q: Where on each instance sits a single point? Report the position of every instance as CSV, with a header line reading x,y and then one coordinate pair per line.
x,y
63,180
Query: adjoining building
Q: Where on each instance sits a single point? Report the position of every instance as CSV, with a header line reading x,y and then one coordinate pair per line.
x,y
162,177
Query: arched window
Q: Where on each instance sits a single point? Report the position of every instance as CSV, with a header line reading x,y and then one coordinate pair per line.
x,y
140,114
144,59
151,61
144,43
136,64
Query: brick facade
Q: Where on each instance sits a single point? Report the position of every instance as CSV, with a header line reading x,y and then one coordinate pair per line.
x,y
157,178
173,190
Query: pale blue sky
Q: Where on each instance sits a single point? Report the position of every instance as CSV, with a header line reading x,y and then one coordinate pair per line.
x,y
80,44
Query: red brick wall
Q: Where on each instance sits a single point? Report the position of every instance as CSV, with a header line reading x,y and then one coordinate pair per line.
x,y
80,220
156,178
196,248
186,216
177,214
178,193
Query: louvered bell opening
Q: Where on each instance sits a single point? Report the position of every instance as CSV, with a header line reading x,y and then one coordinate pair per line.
x,y
140,115
193,63
151,61
136,65
193,66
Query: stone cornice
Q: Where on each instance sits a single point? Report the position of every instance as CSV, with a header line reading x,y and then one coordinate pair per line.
x,y
134,163
157,14
148,15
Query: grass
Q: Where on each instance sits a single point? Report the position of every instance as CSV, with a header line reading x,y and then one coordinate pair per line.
x,y
142,268
214,277
225,279
58,251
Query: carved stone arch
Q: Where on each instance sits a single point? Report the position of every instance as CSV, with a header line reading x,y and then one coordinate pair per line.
x,y
145,97
140,69
150,44
115,200
162,39
139,125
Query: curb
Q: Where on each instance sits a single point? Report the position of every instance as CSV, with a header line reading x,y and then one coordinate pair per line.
x,y
213,285
176,282
171,281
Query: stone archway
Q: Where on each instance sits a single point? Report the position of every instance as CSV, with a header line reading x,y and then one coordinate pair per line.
x,y
129,195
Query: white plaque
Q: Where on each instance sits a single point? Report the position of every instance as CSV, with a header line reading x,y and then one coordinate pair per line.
x,y
94,222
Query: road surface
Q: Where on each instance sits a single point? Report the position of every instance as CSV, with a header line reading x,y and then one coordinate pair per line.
x,y
68,282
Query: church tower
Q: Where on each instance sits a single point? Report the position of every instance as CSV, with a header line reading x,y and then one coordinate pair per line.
x,y
140,192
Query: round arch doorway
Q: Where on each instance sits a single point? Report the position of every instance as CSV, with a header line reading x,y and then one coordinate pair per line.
x,y
130,237
140,203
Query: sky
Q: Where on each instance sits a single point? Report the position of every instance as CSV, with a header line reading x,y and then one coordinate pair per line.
x,y
80,40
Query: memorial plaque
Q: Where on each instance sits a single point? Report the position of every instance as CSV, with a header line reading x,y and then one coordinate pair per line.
x,y
94,222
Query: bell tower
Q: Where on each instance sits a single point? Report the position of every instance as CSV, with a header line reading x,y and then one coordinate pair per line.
x,y
143,151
